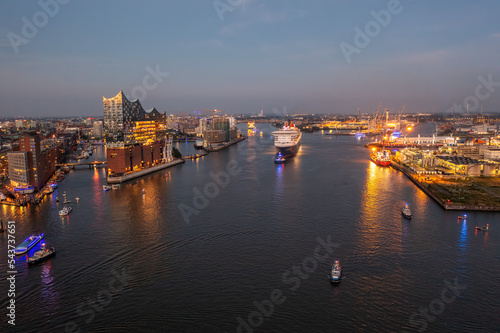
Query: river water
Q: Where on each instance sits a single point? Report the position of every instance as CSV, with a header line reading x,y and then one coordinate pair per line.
x,y
233,242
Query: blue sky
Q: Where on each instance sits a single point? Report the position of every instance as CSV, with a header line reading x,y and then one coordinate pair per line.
x,y
276,54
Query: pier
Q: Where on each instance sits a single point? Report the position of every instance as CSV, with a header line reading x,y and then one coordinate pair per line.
x,y
143,172
194,157
224,145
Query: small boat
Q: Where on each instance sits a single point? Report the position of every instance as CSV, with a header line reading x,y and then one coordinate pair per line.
x,y
463,217
106,187
484,228
77,199
41,255
57,199
115,187
28,243
406,212
279,158
1,226
336,272
65,211
143,191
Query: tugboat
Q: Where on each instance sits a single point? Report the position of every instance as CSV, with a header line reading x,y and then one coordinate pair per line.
x,y
484,228
28,243
65,211
336,272
41,255
406,212
279,158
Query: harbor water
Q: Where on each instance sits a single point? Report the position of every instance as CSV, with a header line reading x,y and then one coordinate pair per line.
x,y
232,242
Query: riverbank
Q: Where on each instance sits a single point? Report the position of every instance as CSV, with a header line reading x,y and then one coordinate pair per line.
x,y
455,193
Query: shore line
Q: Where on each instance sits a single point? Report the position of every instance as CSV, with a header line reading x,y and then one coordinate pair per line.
x,y
442,203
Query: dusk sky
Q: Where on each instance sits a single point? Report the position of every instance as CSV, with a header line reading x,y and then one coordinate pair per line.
x,y
248,54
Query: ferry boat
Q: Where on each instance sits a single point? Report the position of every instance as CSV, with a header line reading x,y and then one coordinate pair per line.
x,y
336,272
41,255
287,141
28,243
65,211
381,158
24,189
406,212
198,144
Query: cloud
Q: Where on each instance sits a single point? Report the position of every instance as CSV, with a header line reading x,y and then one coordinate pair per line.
x,y
259,16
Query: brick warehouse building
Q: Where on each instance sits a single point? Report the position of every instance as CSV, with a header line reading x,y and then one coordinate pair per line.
x,y
134,157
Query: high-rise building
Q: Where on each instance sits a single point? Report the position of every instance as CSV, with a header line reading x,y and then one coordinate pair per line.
x,y
97,129
19,168
35,162
121,117
134,137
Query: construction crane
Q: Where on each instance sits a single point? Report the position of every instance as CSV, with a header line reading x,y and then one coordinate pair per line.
x,y
208,111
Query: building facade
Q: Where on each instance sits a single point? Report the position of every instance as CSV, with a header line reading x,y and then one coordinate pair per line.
x,y
121,117
35,161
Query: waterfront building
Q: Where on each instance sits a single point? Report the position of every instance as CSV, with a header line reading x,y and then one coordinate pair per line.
x,y
18,168
123,121
468,166
134,136
35,161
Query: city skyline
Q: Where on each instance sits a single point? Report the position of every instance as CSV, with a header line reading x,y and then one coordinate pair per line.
x,y
59,58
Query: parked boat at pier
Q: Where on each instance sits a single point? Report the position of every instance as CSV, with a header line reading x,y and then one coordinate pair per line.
x,y
381,158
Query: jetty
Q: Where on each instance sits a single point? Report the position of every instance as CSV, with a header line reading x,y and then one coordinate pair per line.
x,y
139,173
223,145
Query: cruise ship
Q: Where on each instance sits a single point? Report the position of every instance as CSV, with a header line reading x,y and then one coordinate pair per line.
x,y
286,141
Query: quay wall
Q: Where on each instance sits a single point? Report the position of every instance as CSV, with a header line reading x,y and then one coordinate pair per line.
x,y
140,173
